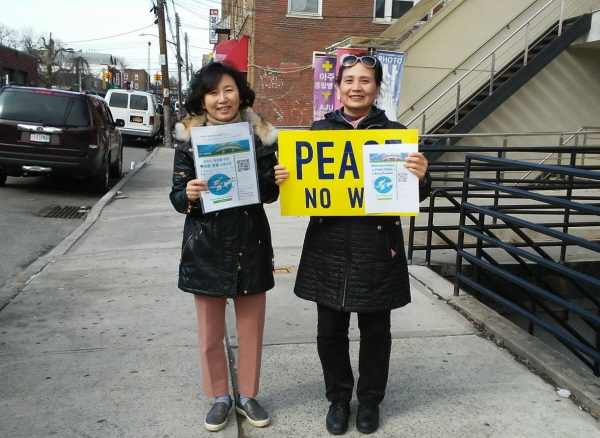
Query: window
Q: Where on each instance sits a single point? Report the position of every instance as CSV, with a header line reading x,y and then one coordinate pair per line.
x,y
125,76
135,85
138,102
48,109
118,100
136,77
388,10
305,7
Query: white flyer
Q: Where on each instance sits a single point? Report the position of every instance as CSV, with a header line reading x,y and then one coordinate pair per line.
x,y
389,186
224,158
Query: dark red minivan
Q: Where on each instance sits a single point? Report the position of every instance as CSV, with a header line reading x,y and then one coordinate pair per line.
x,y
58,133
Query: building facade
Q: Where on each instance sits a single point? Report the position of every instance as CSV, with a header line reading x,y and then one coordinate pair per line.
x,y
18,67
136,79
282,37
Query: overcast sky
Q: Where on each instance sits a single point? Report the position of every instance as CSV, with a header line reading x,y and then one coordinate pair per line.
x,y
93,25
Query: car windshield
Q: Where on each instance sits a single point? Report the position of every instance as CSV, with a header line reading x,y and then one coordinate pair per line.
x,y
44,108
118,100
139,102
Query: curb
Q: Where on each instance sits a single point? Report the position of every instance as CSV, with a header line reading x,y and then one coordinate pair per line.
x,y
535,354
21,280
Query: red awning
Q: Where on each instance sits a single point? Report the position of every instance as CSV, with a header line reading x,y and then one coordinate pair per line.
x,y
235,52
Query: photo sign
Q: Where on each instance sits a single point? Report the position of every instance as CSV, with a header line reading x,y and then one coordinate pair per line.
x,y
329,176
214,19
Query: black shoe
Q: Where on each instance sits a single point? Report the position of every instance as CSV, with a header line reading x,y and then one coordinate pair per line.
x,y
337,417
253,411
216,419
367,419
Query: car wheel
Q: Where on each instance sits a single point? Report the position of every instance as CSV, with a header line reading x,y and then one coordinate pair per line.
x,y
3,177
99,183
117,167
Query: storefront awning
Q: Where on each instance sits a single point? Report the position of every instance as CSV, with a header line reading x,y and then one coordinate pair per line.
x,y
235,52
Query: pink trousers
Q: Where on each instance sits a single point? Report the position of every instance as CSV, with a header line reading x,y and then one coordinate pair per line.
x,y
250,322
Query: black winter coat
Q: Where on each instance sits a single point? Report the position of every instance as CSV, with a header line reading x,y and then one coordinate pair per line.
x,y
219,247
347,263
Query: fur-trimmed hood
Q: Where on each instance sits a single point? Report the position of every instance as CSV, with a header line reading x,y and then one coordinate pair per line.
x,y
265,131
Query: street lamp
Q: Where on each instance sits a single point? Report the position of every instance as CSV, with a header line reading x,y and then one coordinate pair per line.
x,y
179,62
156,36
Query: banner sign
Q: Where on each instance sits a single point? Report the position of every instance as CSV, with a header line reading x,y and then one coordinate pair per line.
x,y
214,18
392,63
324,86
327,174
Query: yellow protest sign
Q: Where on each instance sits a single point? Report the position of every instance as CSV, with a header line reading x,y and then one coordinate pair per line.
x,y
326,169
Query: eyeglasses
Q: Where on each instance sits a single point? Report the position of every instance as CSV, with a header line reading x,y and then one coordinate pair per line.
x,y
367,61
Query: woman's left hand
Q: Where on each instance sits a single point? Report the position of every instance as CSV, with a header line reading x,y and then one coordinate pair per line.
x,y
417,164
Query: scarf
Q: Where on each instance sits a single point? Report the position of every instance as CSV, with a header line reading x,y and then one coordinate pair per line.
x,y
213,122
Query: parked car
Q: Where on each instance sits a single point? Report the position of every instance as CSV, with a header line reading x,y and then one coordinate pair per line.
x,y
58,133
139,110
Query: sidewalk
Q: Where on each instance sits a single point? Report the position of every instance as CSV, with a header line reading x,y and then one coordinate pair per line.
x,y
101,343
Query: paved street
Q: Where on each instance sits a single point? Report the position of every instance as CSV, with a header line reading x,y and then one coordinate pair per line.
x,y
101,343
25,235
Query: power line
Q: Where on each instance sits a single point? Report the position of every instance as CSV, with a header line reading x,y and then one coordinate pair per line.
x,y
112,36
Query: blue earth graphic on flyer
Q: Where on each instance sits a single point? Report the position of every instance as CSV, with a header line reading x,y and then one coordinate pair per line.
x,y
383,184
219,184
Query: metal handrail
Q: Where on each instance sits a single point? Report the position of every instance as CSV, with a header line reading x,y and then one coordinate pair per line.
x,y
574,135
596,130
591,130
480,62
457,84
527,296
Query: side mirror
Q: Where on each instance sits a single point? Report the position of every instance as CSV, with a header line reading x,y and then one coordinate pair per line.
x,y
120,123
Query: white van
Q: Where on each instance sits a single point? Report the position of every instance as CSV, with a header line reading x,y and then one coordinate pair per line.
x,y
138,109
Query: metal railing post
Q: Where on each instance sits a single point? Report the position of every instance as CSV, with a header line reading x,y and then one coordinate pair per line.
x,y
492,72
411,241
560,17
526,53
457,103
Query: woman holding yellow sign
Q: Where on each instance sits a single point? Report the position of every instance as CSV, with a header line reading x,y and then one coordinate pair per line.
x,y
356,264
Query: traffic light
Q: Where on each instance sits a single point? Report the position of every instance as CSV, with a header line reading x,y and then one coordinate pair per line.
x,y
108,75
157,77
103,75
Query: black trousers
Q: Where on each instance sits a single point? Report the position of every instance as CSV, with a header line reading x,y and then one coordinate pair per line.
x,y
374,356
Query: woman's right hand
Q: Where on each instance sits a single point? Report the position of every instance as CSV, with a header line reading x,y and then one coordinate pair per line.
x,y
193,189
281,173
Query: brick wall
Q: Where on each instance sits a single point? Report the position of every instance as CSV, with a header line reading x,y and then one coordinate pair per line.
x,y
19,66
286,99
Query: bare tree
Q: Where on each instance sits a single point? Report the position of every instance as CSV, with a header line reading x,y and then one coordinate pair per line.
x,y
8,37
52,50
29,43
121,63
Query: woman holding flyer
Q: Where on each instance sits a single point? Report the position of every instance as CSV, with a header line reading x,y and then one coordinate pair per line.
x,y
356,264
227,253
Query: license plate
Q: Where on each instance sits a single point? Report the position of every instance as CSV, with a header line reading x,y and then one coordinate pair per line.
x,y
137,119
43,138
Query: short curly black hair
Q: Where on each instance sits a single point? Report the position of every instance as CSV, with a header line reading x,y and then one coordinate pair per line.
x,y
207,79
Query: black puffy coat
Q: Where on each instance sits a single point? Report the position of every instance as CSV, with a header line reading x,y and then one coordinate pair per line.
x,y
347,263
219,246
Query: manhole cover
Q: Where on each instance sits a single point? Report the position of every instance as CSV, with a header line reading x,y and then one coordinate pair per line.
x,y
65,211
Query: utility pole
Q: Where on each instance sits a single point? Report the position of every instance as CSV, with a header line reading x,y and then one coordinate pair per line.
x,y
149,83
178,65
162,37
187,69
